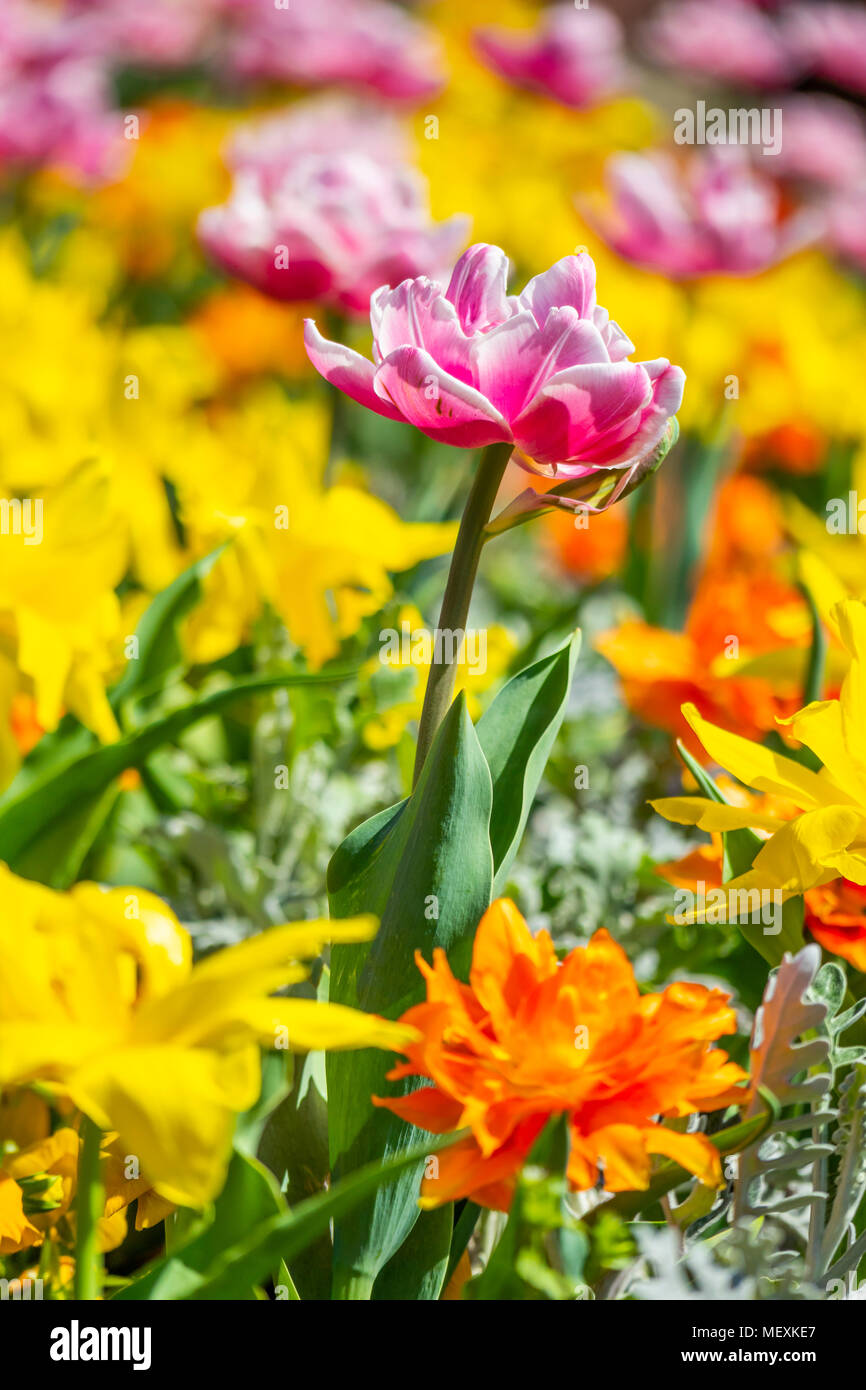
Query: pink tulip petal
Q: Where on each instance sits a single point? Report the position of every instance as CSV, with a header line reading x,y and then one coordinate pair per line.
x,y
439,404
570,281
584,412
417,314
513,361
477,288
347,370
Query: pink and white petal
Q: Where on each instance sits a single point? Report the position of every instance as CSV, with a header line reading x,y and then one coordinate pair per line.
x,y
667,397
347,370
569,281
438,404
512,362
417,314
478,288
583,412
619,347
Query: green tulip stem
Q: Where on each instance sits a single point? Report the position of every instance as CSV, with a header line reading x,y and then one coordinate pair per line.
x,y
89,1205
458,594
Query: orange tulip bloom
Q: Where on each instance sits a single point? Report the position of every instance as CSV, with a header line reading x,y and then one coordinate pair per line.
x,y
530,1037
733,616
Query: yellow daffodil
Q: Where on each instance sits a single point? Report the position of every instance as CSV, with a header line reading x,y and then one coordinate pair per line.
x,y
60,619
827,840
321,556
484,658
100,1000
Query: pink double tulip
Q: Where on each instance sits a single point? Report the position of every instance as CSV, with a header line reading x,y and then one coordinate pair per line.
x,y
546,371
731,42
359,43
711,215
574,56
323,207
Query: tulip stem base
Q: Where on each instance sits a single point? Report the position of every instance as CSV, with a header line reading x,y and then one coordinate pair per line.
x,y
458,593
89,1206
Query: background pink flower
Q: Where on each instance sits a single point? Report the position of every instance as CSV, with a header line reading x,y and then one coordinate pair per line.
x,y
333,221
574,56
712,214
471,365
362,43
731,41
55,96
830,40
823,142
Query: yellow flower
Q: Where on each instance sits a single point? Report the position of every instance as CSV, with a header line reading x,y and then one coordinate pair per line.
x,y
99,999
477,669
60,619
827,840
321,556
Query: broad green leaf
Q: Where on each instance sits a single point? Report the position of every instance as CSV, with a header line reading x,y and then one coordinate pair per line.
x,y
417,1271
516,735
425,868
54,802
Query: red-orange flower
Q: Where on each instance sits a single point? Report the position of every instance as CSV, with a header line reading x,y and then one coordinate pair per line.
x,y
835,914
530,1037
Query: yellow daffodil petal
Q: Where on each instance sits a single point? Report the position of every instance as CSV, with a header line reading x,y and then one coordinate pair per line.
x,y
797,856
293,941
757,766
712,815
313,1026
175,1109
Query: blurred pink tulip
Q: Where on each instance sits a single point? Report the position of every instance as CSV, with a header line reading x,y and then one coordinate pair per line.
x,y
162,33
322,208
55,97
547,371
830,40
714,216
823,142
574,56
732,42
361,43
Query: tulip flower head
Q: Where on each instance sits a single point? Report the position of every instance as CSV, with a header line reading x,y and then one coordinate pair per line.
x,y
547,371
55,98
575,56
331,218
364,44
530,1037
713,215
733,43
